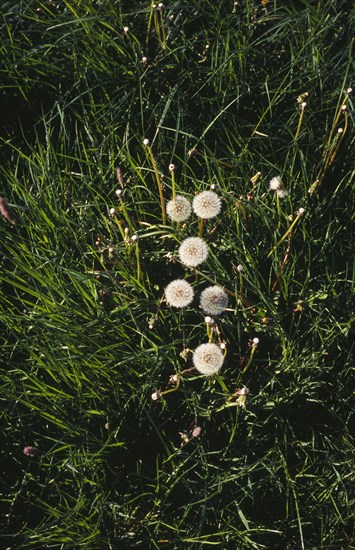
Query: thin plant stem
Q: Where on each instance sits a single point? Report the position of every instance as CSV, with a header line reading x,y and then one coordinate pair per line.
x,y
303,106
250,360
201,224
159,185
173,190
299,215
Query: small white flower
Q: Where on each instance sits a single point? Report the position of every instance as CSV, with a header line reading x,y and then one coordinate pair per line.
x,y
213,300
179,293
207,205
146,142
193,251
179,209
208,358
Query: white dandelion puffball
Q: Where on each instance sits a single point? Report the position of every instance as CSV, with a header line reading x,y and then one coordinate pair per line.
x,y
179,293
179,209
207,205
208,358
193,251
276,184
214,300
281,193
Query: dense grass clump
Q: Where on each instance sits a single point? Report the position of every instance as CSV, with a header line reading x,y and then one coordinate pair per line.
x,y
210,144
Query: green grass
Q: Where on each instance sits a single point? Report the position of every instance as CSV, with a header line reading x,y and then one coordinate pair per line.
x,y
220,97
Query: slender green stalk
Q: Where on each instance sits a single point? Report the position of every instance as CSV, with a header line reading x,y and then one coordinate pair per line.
x,y
159,185
289,230
303,106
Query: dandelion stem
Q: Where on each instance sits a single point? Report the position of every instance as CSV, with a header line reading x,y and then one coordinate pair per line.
x,y
173,184
138,263
334,151
253,348
303,105
299,214
175,388
201,224
163,41
278,204
158,180
210,280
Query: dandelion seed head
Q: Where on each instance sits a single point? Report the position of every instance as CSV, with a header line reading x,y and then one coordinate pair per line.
x,y
179,293
275,184
281,193
207,204
178,209
208,359
213,300
193,251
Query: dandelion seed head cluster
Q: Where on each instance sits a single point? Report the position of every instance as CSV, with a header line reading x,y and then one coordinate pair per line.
x,y
275,184
178,209
208,359
213,300
179,293
207,204
193,251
